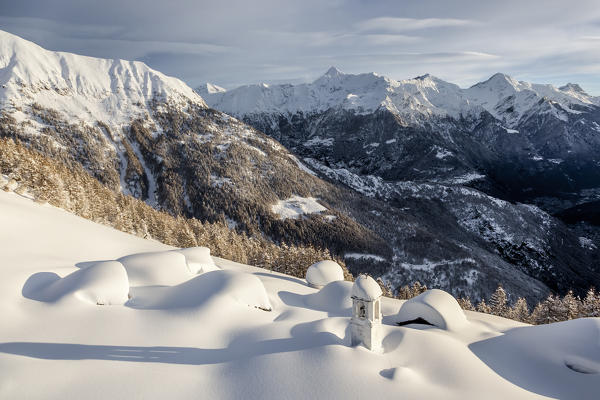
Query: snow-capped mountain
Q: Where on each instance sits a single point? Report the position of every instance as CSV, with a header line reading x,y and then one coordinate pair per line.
x,y
412,98
144,134
86,88
525,141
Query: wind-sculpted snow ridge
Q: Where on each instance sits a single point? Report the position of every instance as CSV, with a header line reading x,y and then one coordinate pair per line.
x,y
247,332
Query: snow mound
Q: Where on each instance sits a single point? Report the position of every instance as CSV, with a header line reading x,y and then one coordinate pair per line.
x,y
366,288
435,306
165,268
333,297
560,360
102,283
233,286
198,259
323,272
296,206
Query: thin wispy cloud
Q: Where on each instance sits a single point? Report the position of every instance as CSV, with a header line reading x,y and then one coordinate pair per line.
x,y
389,24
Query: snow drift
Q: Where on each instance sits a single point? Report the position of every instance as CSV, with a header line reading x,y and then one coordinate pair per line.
x,y
156,268
219,286
333,298
102,283
198,259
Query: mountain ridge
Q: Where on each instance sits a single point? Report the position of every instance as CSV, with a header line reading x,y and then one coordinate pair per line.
x,y
367,92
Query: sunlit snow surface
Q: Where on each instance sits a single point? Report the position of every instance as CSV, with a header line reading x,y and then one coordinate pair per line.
x,y
186,335
297,206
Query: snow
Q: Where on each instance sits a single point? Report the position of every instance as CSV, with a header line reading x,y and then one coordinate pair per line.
x,y
102,283
586,243
335,298
296,207
502,96
156,268
366,288
323,272
318,141
359,256
82,88
205,337
234,287
302,166
466,178
442,153
435,306
198,259
547,349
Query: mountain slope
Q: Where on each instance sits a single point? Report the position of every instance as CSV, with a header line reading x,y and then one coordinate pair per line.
x,y
527,141
151,136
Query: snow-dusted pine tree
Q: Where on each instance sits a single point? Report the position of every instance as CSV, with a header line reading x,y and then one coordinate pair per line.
x,y
483,307
520,311
571,305
591,304
499,302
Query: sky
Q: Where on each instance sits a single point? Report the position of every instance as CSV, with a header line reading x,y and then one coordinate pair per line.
x,y
235,42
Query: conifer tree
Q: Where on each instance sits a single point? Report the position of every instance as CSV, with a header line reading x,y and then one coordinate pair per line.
x,y
520,311
499,302
571,306
465,304
482,307
590,306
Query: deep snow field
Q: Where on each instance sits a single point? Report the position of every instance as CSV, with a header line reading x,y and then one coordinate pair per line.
x,y
170,325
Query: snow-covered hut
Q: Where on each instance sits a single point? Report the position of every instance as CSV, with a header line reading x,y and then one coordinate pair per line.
x,y
435,307
365,325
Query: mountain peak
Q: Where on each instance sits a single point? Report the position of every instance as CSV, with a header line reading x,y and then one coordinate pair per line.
x,y
502,77
209,88
499,81
572,87
333,72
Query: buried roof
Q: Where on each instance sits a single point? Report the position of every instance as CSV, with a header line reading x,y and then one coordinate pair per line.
x,y
435,306
366,288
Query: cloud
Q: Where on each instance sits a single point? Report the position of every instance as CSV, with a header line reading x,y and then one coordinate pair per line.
x,y
230,42
390,24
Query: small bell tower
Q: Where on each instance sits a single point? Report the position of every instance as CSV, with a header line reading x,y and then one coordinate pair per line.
x,y
365,325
